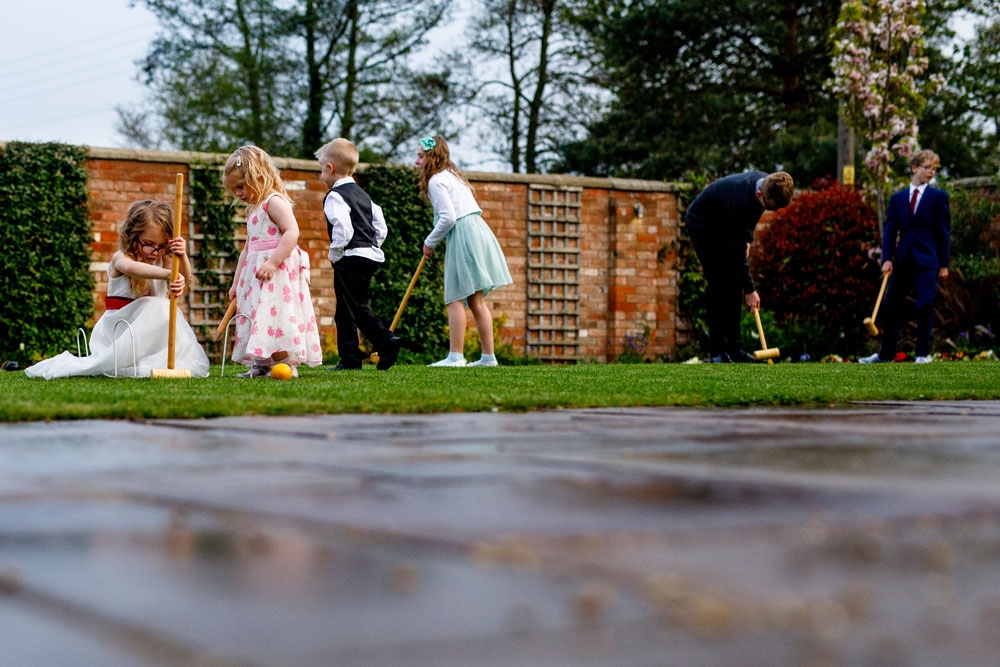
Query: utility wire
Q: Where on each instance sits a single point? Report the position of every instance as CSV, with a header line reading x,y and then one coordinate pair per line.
x,y
11,73
68,47
76,84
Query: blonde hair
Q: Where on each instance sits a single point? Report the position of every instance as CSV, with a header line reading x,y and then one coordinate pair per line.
x,y
778,189
436,160
141,216
342,154
261,176
925,155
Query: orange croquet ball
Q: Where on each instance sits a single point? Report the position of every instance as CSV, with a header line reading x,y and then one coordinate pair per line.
x,y
281,372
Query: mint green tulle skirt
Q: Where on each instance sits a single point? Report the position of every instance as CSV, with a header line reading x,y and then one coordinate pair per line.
x,y
473,260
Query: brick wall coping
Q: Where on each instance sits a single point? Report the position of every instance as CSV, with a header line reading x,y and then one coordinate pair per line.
x,y
628,184
976,182
188,157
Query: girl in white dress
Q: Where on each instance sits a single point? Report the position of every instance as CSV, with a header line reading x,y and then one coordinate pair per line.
x,y
137,294
474,263
275,321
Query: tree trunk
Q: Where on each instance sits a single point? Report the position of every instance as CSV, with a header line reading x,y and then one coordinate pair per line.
x,y
535,108
312,133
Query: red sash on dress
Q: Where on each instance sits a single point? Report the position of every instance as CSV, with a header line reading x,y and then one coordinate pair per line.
x,y
116,302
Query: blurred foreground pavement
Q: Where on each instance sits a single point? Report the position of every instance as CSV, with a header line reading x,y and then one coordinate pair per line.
x,y
866,535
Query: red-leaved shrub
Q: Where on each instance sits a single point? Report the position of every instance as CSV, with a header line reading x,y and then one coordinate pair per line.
x,y
811,262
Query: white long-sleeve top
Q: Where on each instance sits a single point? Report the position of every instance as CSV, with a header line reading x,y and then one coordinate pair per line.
x,y
451,199
338,214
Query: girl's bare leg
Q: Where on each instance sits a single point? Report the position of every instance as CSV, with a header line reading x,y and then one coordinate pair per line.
x,y
456,326
484,321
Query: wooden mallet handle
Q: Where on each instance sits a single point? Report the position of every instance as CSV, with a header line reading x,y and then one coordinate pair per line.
x,y
760,329
881,291
174,270
409,290
225,321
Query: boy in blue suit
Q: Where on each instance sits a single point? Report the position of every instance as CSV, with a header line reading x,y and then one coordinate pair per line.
x,y
916,246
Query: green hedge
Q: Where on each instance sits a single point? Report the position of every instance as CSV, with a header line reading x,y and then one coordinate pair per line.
x,y
424,323
45,281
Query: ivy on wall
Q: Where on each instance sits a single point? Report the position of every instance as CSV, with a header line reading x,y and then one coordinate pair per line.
x,y
46,286
215,252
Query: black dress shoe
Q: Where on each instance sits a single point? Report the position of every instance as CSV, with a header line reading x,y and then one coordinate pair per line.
x,y
720,359
741,356
388,355
342,367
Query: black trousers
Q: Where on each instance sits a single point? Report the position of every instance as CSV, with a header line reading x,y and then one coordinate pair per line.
x,y
352,279
724,274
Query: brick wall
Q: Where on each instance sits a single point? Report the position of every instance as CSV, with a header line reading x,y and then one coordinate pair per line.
x,y
627,272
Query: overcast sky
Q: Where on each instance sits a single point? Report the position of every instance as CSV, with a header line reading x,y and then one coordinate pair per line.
x,y
67,63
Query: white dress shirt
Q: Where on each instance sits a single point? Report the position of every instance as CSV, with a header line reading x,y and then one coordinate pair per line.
x,y
338,214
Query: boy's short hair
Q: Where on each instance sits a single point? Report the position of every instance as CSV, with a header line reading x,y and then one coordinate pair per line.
x,y
778,189
341,153
925,157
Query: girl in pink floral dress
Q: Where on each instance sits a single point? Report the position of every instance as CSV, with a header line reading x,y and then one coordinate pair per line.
x,y
275,321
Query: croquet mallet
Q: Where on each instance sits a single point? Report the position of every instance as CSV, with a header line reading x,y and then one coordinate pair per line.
x,y
225,321
170,371
870,321
402,304
764,352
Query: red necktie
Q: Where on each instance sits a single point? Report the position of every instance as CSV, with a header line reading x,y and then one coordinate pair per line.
x,y
913,201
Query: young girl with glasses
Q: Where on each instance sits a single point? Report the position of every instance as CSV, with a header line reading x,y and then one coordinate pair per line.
x,y
138,286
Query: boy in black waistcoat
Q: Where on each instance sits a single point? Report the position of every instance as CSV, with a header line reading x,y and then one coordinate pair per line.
x,y
720,222
357,229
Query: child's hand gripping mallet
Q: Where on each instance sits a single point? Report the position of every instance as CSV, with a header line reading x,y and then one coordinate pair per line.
x,y
402,304
870,321
170,371
763,352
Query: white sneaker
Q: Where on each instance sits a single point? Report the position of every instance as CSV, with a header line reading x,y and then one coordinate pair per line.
x,y
257,370
926,359
484,362
447,361
873,359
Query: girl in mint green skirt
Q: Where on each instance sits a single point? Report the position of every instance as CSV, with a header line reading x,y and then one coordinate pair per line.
x,y
474,264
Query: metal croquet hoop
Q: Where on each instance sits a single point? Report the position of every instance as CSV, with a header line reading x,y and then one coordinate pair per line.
x,y
114,346
225,341
86,347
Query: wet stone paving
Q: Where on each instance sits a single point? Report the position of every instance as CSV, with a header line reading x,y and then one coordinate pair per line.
x,y
860,535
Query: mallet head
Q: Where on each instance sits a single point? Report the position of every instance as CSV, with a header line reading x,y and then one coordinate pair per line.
x,y
769,353
870,325
168,373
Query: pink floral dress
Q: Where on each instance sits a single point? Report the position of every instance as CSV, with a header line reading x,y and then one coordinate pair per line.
x,y
274,315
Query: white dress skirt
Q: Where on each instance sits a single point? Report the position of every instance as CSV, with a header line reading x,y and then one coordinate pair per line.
x,y
149,320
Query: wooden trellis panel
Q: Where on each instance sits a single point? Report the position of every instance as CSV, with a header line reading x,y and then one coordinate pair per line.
x,y
553,275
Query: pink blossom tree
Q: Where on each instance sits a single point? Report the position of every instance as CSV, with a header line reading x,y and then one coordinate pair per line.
x,y
878,57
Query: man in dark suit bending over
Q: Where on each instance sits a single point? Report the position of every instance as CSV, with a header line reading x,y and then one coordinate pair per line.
x,y
720,222
916,246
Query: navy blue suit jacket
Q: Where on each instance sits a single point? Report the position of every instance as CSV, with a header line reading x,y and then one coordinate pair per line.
x,y
926,236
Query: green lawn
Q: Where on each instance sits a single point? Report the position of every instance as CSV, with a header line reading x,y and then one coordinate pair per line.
x,y
411,389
